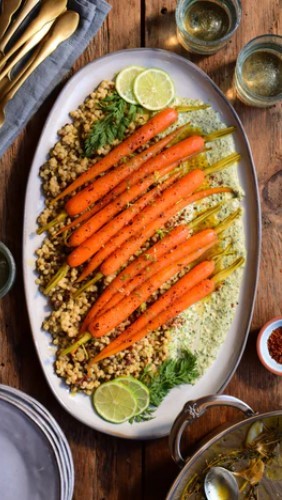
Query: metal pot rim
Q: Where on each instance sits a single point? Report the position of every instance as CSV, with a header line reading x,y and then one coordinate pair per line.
x,y
210,441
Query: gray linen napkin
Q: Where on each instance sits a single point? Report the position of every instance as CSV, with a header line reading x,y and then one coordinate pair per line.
x,y
39,85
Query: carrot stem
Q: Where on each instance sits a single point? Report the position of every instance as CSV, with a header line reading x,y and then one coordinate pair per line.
x,y
222,164
222,226
89,283
60,274
223,275
59,218
73,347
217,134
185,109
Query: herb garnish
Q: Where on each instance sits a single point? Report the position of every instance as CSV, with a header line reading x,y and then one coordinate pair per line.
x,y
171,373
118,115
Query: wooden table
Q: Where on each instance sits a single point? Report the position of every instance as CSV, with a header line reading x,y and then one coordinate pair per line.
x,y
109,468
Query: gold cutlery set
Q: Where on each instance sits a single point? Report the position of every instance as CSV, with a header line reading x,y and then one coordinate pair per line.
x,y
52,25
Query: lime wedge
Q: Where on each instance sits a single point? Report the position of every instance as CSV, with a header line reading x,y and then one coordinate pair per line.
x,y
124,83
139,390
114,402
154,89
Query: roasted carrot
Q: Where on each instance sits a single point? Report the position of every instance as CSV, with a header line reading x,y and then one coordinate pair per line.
x,y
105,253
218,278
119,240
195,246
141,136
98,220
158,255
132,244
107,321
85,198
167,307
144,277
90,246
176,237
110,197
129,336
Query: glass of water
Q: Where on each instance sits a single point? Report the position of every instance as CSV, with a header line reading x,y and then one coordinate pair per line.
x,y
258,73
205,26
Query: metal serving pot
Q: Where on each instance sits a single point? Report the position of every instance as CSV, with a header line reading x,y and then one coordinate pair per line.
x,y
192,410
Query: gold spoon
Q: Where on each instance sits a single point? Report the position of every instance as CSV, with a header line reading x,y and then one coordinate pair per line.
x,y
63,28
25,10
29,45
50,9
9,7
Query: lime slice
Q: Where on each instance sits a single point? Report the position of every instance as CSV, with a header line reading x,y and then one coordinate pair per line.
x,y
139,390
124,83
154,89
114,402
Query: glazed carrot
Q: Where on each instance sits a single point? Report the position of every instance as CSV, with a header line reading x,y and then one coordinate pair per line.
x,y
104,185
145,322
107,321
168,306
136,239
130,335
117,241
81,218
142,278
141,136
195,246
83,199
90,246
105,215
110,197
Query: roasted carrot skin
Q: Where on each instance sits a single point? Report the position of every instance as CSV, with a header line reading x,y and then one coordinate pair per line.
x,y
171,240
148,221
104,256
104,323
85,198
93,224
195,246
105,184
150,320
157,124
106,234
140,279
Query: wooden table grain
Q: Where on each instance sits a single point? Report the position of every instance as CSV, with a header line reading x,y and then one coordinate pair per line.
x,y
109,468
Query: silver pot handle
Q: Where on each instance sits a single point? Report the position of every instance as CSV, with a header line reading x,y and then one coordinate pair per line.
x,y
194,409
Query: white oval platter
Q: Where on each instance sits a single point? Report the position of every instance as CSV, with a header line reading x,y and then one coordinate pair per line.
x,y
191,82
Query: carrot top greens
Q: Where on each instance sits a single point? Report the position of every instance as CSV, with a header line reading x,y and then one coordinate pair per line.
x,y
118,115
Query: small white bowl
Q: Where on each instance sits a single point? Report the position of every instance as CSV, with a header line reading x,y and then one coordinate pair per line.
x,y
262,348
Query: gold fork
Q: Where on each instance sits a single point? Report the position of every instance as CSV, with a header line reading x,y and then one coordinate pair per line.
x,y
9,7
63,28
22,14
50,9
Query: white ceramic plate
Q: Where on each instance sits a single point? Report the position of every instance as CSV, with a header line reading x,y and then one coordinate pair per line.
x,y
191,82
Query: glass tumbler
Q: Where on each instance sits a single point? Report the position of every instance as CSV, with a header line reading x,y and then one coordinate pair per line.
x,y
258,72
205,26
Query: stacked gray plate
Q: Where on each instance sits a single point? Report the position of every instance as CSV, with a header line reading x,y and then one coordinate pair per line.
x,y
35,458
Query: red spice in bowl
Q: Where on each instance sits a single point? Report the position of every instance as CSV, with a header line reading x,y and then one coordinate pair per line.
x,y
269,345
274,344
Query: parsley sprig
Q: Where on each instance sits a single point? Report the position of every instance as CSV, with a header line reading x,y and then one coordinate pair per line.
x,y
171,373
118,115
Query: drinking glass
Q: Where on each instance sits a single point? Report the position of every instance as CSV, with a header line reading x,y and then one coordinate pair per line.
x,y
258,72
205,26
